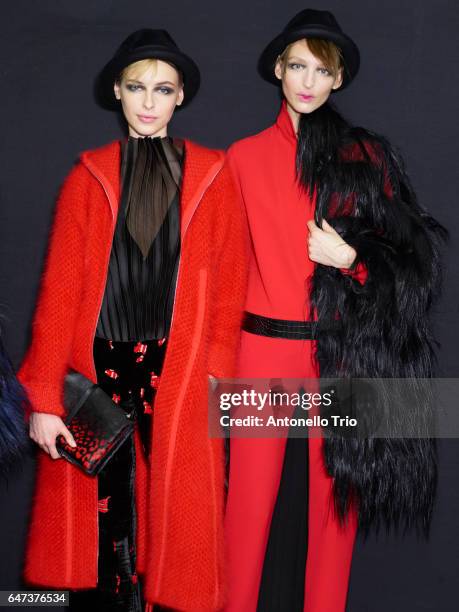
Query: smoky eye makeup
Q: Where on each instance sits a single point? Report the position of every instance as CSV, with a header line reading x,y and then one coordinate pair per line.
x,y
296,64
164,89
133,86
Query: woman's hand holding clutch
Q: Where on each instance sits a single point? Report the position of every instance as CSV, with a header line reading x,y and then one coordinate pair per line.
x,y
44,429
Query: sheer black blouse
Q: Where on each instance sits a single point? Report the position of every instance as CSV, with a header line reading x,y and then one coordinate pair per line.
x,y
142,273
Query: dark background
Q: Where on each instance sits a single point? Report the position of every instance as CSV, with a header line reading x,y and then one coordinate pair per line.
x,y
407,89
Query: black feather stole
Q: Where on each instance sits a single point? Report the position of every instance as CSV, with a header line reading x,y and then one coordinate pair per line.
x,y
380,329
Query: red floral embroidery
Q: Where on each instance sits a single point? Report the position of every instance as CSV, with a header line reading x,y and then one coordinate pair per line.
x,y
112,374
140,348
103,504
147,408
154,380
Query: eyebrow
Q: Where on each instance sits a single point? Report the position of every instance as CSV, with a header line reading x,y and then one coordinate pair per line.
x,y
295,57
156,84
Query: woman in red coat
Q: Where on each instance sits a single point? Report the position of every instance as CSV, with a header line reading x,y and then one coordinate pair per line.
x,y
315,295
139,294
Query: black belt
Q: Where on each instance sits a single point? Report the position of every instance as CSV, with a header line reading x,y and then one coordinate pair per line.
x,y
277,328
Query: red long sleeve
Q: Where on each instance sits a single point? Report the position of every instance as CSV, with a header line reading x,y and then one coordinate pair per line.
x,y
231,249
58,302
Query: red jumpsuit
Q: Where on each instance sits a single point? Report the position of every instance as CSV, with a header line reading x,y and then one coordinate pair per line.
x,y
278,211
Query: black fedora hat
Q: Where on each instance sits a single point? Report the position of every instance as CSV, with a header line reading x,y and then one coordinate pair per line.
x,y
311,23
146,44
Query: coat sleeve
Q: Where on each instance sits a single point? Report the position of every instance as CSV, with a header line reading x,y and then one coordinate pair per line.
x,y
231,266
44,366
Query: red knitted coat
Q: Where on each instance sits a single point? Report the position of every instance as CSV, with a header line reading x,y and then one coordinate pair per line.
x,y
180,496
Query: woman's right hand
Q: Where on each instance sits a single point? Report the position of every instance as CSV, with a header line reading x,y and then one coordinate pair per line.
x,y
44,429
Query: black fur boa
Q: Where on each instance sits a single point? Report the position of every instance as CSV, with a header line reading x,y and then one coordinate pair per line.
x,y
380,329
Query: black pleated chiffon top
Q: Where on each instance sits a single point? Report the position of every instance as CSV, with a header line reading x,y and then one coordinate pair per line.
x,y
142,272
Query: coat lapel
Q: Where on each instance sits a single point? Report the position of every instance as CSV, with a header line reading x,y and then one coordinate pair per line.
x,y
104,165
201,166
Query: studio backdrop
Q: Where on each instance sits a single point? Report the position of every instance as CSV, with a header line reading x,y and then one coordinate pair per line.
x,y
407,90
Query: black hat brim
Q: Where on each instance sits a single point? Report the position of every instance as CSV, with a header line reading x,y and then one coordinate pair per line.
x,y
112,70
350,52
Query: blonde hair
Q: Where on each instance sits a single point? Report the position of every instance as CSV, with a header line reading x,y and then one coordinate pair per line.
x,y
136,69
325,50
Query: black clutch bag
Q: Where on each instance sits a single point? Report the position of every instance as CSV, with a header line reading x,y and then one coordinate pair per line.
x,y
98,425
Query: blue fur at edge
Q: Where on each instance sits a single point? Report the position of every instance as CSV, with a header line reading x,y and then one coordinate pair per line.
x,y
14,439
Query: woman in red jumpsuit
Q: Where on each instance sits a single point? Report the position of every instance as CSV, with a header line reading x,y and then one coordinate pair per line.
x,y
286,243
345,265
